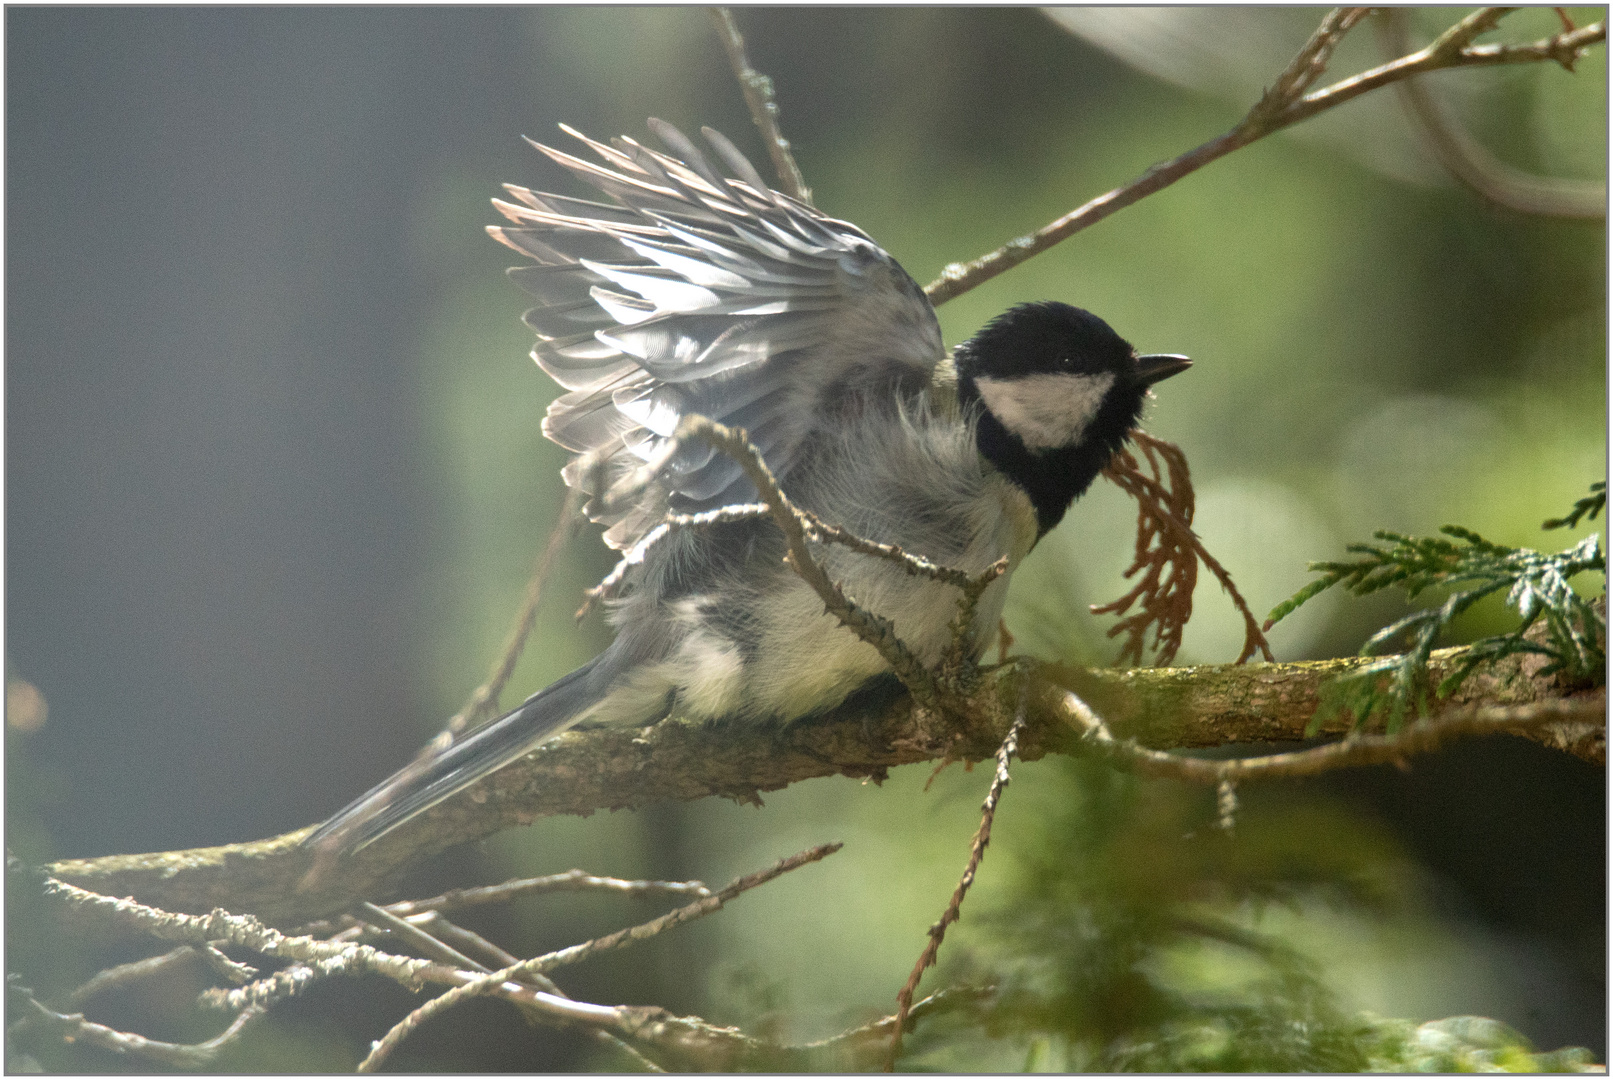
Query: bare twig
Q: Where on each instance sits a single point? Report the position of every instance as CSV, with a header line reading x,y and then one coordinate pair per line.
x,y
1226,805
434,944
956,663
237,973
124,974
1311,61
635,555
73,1027
700,908
977,851
973,586
764,111
916,565
817,529
316,959
594,1014
436,949
865,1047
1469,162
1454,49
483,701
449,932
1354,750
570,881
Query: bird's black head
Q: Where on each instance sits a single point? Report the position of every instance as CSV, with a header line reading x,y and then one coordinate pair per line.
x,y
1057,390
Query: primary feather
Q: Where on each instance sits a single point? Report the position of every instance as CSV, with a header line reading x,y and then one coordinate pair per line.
x,y
703,294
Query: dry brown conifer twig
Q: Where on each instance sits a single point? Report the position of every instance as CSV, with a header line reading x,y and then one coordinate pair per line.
x,y
1167,555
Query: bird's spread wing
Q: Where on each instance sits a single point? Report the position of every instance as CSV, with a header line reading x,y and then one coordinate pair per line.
x,y
701,293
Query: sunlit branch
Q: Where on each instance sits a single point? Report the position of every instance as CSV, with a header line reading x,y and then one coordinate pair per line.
x,y
1285,105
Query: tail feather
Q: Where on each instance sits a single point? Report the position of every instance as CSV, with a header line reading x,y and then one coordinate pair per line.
x,y
423,784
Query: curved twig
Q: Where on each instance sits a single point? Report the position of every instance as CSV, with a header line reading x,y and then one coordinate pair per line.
x,y
1466,159
977,852
593,1014
1454,49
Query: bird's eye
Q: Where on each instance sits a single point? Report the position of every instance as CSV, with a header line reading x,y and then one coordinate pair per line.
x,y
1066,363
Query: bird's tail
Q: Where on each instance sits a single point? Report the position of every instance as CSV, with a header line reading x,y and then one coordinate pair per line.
x,y
427,781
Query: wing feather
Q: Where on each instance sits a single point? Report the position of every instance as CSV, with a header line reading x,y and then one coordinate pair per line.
x,y
697,292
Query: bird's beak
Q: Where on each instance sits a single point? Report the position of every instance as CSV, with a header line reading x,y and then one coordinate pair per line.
x,y
1157,366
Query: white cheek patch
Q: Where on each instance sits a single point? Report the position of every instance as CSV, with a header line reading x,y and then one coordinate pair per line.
x,y
1046,411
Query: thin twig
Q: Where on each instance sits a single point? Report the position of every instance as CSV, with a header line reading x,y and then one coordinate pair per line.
x,y
865,1046
570,881
483,701
433,947
916,565
1453,50
700,908
542,964
1562,48
123,974
1354,750
1469,162
1311,61
977,851
1226,805
956,662
316,959
818,529
449,932
671,523
434,944
764,111
73,1027
973,586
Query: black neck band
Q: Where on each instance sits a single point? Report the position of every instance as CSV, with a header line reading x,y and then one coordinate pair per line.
x,y
1052,479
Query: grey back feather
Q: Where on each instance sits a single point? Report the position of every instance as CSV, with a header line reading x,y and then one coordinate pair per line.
x,y
701,293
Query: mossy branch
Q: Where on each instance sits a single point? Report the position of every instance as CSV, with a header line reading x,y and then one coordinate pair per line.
x,y
1567,631
584,771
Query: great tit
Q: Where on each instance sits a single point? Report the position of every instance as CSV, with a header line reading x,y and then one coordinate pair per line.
x,y
700,293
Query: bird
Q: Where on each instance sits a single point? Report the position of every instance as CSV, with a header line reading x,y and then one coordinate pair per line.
x,y
699,292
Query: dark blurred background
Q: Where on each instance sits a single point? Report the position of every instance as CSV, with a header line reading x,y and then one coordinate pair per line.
x,y
274,474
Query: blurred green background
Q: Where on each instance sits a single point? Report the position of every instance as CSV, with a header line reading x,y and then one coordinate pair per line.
x,y
275,479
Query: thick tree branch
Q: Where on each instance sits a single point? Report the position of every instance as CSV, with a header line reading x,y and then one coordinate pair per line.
x,y
677,759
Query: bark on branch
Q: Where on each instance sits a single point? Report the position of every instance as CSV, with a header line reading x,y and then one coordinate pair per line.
x,y
584,771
